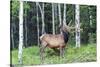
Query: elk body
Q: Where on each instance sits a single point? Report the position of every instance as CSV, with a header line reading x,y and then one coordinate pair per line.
x,y
55,41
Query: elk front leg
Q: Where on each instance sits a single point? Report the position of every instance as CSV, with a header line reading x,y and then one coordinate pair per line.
x,y
61,52
42,52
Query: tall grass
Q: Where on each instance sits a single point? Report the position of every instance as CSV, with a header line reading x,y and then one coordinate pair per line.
x,y
31,55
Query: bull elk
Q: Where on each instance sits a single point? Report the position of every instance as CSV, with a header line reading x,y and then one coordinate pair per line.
x,y
54,42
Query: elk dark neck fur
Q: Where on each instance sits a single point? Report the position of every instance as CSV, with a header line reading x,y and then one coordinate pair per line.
x,y
66,36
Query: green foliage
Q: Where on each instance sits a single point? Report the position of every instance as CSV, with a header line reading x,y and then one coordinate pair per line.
x,y
87,28
31,23
14,8
26,8
72,55
30,56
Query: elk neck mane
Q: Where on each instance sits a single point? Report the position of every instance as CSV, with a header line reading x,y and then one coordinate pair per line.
x,y
66,36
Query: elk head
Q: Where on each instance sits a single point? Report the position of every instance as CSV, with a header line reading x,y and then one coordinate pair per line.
x,y
67,28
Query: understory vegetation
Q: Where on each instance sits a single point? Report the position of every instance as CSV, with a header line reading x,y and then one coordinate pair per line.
x,y
43,17
31,55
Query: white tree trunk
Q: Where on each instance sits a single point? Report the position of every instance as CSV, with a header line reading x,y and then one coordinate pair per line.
x,y
59,10
20,32
12,35
90,20
42,13
53,22
64,15
37,22
77,23
26,28
55,14
90,16
43,25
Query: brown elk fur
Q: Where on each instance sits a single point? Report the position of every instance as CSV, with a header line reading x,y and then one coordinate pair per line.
x,y
52,41
55,41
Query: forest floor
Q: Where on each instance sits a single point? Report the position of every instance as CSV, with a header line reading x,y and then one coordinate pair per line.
x,y
31,55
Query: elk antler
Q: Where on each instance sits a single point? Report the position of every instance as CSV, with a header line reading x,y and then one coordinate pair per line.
x,y
69,23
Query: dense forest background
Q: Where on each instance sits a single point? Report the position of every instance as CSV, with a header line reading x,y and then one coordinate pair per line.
x,y
88,32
